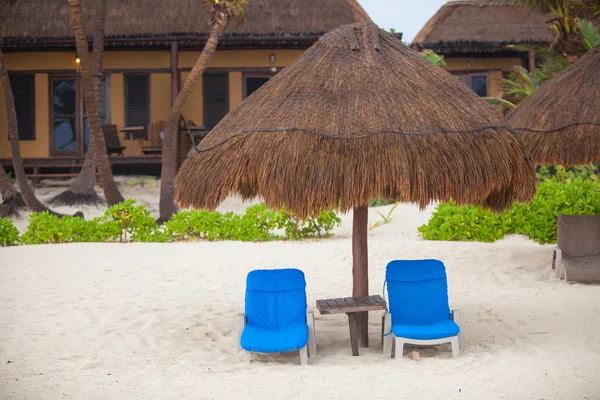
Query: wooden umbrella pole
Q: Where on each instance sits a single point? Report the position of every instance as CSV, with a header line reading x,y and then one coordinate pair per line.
x,y
360,269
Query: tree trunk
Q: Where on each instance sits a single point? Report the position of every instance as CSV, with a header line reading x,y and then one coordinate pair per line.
x,y
169,151
31,200
360,268
10,195
111,191
81,190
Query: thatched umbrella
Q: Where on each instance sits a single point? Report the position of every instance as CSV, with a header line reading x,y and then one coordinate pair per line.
x,y
359,116
560,122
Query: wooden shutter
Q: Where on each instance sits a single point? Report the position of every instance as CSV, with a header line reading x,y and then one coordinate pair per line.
x,y
23,88
137,100
216,98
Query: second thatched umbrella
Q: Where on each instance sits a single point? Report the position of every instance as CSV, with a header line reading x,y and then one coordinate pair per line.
x,y
359,116
560,122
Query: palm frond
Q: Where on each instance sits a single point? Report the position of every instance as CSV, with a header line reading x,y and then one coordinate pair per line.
x,y
497,101
591,35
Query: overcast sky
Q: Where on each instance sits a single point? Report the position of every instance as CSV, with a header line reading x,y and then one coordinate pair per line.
x,y
406,16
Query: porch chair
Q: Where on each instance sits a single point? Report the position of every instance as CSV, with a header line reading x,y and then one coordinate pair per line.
x,y
276,319
111,139
418,307
577,255
155,138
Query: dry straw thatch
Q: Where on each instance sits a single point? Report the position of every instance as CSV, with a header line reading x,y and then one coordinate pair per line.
x,y
482,26
560,123
358,116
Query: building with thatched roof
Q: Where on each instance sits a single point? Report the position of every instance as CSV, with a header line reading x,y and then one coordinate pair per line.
x,y
482,40
150,47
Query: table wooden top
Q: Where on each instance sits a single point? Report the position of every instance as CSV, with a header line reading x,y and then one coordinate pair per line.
x,y
351,304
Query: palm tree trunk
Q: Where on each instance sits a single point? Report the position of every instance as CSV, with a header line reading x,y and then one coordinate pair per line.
x,y
33,203
81,190
10,195
169,150
111,191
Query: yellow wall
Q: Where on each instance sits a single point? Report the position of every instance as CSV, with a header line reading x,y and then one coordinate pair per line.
x,y
493,65
125,61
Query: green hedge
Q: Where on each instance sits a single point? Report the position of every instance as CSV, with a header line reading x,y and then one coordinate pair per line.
x,y
130,221
569,192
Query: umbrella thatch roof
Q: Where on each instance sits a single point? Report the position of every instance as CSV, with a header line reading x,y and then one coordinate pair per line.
x,y
133,22
560,122
483,26
358,116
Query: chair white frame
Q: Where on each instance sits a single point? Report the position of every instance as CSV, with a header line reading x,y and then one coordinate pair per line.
x,y
394,345
557,263
310,349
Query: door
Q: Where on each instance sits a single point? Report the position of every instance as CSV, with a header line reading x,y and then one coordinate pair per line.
x,y
69,125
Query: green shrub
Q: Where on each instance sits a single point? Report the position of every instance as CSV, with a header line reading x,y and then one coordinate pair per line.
x,y
9,234
45,228
131,221
465,223
380,202
257,224
565,192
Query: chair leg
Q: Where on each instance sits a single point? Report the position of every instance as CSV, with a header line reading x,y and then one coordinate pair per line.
x,y
399,344
387,335
457,318
304,355
312,337
557,263
241,323
455,347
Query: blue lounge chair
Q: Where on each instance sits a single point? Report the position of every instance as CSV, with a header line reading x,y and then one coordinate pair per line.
x,y
418,307
276,319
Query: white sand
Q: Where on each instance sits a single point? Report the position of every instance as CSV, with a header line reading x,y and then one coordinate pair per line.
x,y
157,321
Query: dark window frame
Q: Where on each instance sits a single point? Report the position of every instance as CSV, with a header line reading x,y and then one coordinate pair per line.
x,y
126,97
205,104
247,75
468,75
79,113
32,106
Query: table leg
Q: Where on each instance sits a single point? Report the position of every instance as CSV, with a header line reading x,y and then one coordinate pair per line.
x,y
353,324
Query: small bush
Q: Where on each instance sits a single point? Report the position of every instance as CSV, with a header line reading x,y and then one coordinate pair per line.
x,y
131,221
9,234
380,202
575,192
45,228
465,223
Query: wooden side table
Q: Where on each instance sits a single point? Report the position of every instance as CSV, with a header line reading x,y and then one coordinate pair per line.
x,y
351,306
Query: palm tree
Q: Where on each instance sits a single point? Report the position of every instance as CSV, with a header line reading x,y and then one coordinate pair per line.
x,y
111,191
567,22
221,12
32,202
81,190
10,195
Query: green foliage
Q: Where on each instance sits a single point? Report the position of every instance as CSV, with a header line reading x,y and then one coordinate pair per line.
x,y
465,223
45,228
9,234
132,221
434,58
385,219
591,35
141,181
257,224
570,192
377,202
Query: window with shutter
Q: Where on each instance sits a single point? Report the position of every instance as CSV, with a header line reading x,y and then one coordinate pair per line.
x,y
23,88
137,100
216,98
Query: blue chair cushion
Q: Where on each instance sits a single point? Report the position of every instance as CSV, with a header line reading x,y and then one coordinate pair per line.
x,y
428,332
290,338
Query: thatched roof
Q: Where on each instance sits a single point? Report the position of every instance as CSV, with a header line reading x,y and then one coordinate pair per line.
x,y
483,26
560,122
39,22
359,116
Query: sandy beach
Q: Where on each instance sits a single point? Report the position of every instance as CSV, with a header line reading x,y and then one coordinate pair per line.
x,y
158,321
